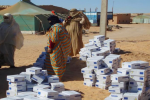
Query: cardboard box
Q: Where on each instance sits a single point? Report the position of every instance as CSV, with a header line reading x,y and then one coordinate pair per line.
x,y
135,89
92,48
47,93
27,93
10,93
44,72
36,88
27,77
91,41
103,81
94,61
89,80
119,78
123,71
131,96
117,96
135,83
90,76
64,96
15,78
110,98
143,63
102,71
57,85
119,85
30,87
34,70
17,88
17,84
73,95
130,65
138,78
53,79
13,98
116,90
138,72
90,84
86,70
39,78
103,86
110,60
98,53
104,77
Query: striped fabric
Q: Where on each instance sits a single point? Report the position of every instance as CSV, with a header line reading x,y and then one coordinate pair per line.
x,y
56,61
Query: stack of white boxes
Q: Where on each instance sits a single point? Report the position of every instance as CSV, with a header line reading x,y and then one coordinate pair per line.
x,y
17,84
36,84
98,47
138,87
110,44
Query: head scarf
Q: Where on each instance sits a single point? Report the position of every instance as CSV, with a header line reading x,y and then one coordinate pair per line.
x,y
53,20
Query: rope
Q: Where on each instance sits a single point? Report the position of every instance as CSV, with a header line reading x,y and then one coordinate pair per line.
x,y
41,23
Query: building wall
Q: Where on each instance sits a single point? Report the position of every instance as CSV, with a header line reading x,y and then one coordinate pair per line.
x,y
114,21
121,19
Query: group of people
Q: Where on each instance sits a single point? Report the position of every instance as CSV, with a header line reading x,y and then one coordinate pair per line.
x,y
64,39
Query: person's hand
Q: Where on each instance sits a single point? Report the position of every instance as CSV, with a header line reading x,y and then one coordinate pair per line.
x,y
49,50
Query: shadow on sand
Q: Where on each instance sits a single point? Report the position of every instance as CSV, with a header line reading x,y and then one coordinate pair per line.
x,y
3,77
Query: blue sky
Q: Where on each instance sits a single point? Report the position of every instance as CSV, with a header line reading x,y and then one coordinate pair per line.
x,y
120,6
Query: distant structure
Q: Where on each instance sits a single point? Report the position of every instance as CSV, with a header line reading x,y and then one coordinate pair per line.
x,y
141,19
121,19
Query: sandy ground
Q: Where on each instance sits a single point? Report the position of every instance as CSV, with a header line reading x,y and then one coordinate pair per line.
x,y
133,39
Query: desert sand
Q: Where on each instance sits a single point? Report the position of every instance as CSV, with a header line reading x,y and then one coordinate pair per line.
x,y
132,39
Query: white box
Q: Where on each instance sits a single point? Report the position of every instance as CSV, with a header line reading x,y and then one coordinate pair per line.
x,y
102,71
10,93
17,84
90,76
116,90
64,96
121,84
103,77
110,98
138,72
131,96
110,60
86,70
59,90
27,77
119,78
83,58
36,88
89,80
30,87
34,94
47,93
114,95
57,85
98,53
90,84
15,78
39,78
135,83
73,95
93,48
17,88
102,86
34,70
53,79
130,65
135,89
138,78
103,81
44,72
88,45
91,41
12,98
94,61
123,71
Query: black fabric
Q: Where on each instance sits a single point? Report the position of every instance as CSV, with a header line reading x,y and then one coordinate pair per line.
x,y
54,20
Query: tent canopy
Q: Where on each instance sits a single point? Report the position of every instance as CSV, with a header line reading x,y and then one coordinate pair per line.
x,y
24,8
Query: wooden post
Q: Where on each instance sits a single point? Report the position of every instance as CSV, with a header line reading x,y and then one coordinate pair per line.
x,y
103,20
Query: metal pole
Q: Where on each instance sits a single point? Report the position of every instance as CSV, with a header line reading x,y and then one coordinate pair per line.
x,y
103,19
